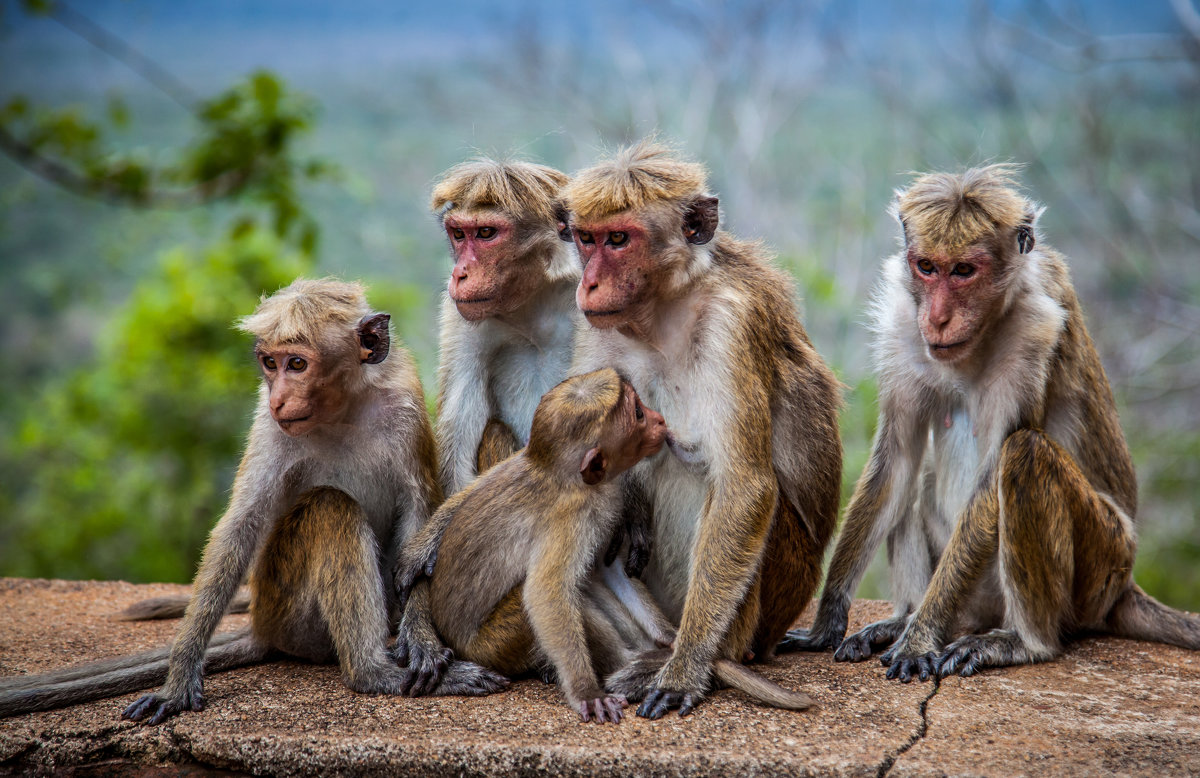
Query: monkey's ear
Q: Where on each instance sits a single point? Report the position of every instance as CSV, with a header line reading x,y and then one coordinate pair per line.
x,y
593,467
700,220
1025,238
373,338
563,222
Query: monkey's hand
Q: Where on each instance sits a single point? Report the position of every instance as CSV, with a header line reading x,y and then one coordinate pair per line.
x,y
602,708
639,547
427,661
869,639
814,639
157,708
416,561
913,655
674,688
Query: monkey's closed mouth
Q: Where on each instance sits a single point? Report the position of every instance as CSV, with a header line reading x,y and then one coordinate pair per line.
x,y
297,419
473,300
946,346
602,313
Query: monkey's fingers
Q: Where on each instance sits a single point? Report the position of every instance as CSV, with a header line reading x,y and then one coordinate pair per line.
x,y
155,709
660,701
428,669
808,640
959,658
855,648
614,548
906,668
639,554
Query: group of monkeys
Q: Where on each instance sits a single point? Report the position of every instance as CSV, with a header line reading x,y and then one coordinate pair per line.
x,y
582,312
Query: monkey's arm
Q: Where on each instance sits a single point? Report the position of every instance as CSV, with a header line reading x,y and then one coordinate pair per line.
x,y
972,546
553,600
496,444
727,551
463,408
257,499
418,556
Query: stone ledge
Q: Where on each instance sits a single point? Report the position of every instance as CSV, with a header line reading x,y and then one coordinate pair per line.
x,y
1108,707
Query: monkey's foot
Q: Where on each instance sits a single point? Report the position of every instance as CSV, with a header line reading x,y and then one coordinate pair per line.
x,y
469,679
155,709
866,641
970,654
383,680
660,701
602,709
635,679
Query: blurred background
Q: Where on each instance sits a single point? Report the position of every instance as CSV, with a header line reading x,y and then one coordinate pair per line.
x,y
163,164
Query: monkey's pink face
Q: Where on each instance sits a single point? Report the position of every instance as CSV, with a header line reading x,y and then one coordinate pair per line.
x,y
955,299
617,261
644,432
303,393
488,277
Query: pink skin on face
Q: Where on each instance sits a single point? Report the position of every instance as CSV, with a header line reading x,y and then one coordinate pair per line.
x,y
616,269
301,396
483,247
955,294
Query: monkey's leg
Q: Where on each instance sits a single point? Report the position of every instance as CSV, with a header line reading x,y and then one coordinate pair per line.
x,y
505,641
1065,557
318,592
911,569
791,571
496,444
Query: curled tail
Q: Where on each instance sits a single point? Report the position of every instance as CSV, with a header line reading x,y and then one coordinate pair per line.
x,y
173,607
1139,616
113,677
759,687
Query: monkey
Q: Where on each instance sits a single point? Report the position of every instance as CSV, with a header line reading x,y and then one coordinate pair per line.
x,y
508,320
517,577
999,474
708,329
338,471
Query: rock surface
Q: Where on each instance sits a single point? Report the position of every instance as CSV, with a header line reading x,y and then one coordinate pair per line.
x,y
1108,707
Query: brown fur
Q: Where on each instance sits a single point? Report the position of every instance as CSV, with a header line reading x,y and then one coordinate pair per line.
x,y
1047,531
512,186
496,444
708,329
318,558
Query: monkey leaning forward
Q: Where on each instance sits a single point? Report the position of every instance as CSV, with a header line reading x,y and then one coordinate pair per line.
x,y
338,472
999,474
516,559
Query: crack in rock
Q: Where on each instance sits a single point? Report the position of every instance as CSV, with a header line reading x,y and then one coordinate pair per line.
x,y
889,761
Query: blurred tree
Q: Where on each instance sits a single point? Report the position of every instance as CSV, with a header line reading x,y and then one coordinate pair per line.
x,y
118,466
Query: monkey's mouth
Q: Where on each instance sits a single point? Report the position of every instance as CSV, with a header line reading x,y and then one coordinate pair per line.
x,y
940,350
287,424
471,300
603,314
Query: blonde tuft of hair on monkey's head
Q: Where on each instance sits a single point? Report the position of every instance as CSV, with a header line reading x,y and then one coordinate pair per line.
x,y
648,172
946,212
520,189
308,312
572,415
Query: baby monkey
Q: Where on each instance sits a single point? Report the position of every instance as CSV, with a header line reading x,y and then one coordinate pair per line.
x,y
517,576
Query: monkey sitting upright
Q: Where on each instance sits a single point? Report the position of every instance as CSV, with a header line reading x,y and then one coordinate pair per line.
x,y
999,473
337,474
519,580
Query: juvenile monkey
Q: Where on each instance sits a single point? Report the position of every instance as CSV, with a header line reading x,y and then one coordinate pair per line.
x,y
508,321
338,472
999,473
709,330
519,581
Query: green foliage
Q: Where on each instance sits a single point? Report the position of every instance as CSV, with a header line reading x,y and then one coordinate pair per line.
x,y
123,464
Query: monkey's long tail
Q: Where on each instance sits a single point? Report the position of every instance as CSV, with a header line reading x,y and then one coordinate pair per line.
x,y
759,687
122,675
173,607
1139,616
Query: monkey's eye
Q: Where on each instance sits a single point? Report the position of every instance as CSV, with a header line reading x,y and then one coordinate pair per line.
x,y
617,238
925,266
637,412
963,270
584,237
297,363
458,234
268,362
486,233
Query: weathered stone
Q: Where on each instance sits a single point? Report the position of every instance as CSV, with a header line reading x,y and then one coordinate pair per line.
x,y
1108,706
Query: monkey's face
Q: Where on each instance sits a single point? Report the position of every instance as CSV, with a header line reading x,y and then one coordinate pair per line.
x,y
304,390
956,297
618,255
490,276
638,433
